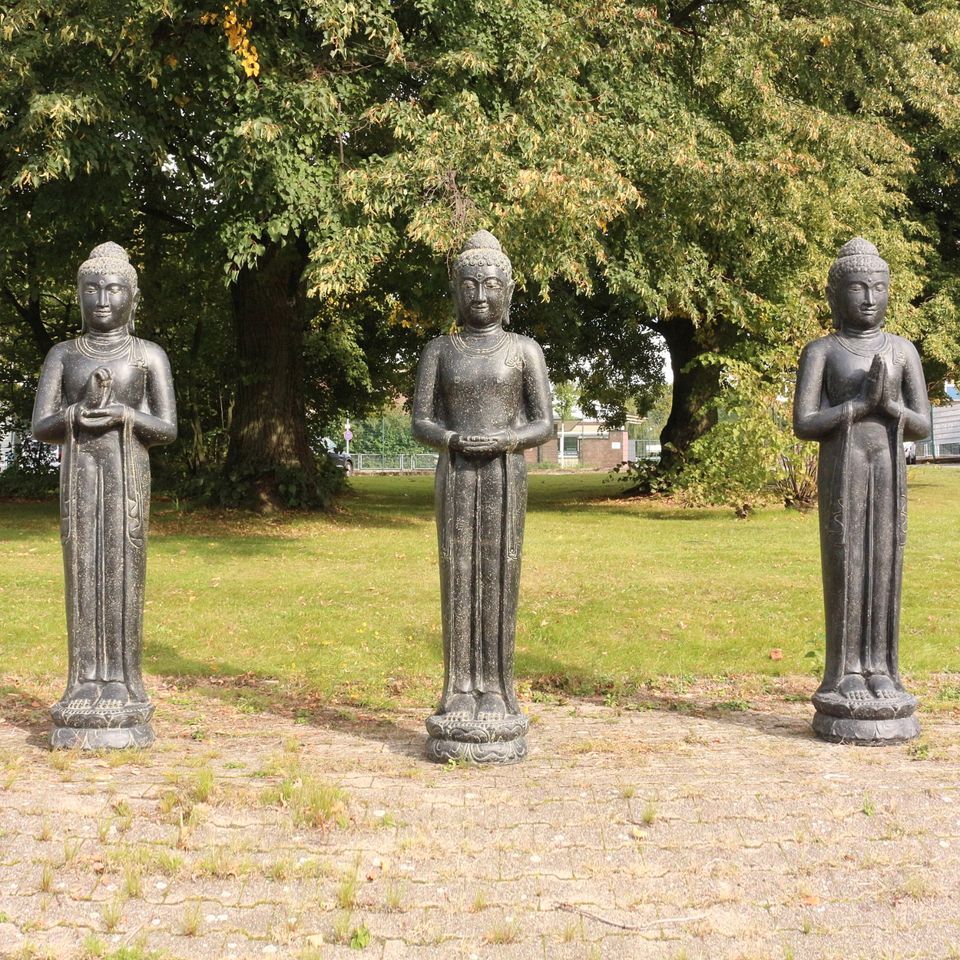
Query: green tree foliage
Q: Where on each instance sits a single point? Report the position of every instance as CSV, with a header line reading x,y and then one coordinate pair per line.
x,y
655,418
678,172
279,135
388,434
751,455
224,125
738,145
769,136
565,397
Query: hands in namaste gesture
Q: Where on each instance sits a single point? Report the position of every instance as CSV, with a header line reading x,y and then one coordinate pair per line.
x,y
876,395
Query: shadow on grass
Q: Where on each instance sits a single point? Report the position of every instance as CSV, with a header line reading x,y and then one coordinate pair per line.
x,y
27,713
619,507
545,494
380,503
253,692
277,528
295,700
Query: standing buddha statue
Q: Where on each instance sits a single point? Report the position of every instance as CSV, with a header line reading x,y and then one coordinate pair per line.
x,y
482,396
105,398
861,393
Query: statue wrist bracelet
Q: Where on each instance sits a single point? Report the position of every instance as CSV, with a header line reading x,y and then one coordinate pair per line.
x,y
512,440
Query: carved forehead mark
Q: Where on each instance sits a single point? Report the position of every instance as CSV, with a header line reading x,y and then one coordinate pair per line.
x,y
105,280
865,276
482,271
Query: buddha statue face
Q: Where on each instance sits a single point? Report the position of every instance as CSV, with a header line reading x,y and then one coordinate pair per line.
x,y
858,299
482,294
107,301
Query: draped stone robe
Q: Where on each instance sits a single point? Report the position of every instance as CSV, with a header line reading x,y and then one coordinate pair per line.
x,y
862,495
105,499
476,388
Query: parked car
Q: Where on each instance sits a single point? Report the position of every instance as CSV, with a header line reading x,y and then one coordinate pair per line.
x,y
337,456
910,451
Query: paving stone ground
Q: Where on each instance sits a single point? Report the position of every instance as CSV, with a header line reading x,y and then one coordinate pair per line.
x,y
698,823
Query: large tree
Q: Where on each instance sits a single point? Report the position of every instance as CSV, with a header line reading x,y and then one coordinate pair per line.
x,y
737,143
277,133
676,173
780,138
223,127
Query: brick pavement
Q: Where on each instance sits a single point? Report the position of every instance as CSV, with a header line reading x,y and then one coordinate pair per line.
x,y
669,828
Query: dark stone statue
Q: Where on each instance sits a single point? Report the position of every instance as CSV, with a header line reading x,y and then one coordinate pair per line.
x,y
861,393
106,398
482,397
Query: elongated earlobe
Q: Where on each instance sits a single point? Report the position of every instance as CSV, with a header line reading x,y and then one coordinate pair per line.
x,y
131,323
831,302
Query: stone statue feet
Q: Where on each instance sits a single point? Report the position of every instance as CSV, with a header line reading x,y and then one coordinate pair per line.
x,y
477,730
853,687
100,715
114,694
462,706
870,711
85,692
491,706
882,687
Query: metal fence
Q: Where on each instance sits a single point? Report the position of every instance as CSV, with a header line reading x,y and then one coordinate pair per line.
x,y
929,450
393,463
643,450
944,439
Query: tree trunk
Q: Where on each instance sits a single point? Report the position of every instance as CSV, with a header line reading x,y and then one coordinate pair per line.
x,y
268,434
31,311
695,386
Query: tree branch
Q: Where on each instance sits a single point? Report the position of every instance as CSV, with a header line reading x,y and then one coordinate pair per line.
x,y
178,223
31,314
684,15
14,302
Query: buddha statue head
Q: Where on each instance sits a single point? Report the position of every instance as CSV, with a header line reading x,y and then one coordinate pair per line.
x,y
107,290
858,287
482,283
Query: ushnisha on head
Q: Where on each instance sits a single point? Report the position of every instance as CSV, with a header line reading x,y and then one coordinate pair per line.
x,y
858,286
482,282
107,289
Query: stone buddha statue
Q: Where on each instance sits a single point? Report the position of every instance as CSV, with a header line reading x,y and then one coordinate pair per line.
x,y
482,396
861,392
106,398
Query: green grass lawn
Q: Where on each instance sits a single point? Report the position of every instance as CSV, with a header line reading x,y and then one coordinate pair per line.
x,y
347,605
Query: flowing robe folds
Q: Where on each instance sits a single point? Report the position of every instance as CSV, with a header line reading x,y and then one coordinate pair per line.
x,y
478,389
105,499
862,494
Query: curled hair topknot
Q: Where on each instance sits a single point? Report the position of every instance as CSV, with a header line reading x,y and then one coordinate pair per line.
x,y
483,249
856,255
109,257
